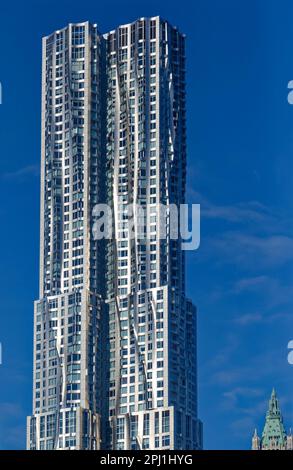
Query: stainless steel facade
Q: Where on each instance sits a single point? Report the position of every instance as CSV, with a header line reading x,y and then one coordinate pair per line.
x,y
115,337
153,389
67,344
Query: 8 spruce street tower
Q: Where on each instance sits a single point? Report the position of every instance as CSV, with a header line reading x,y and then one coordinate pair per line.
x,y
115,362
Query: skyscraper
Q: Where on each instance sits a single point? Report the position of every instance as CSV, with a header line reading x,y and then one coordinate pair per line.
x,y
67,341
115,337
153,401
274,436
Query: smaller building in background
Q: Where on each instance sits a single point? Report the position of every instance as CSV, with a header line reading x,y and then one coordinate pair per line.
x,y
274,436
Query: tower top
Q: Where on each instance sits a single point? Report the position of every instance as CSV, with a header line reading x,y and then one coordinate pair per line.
x,y
274,409
274,435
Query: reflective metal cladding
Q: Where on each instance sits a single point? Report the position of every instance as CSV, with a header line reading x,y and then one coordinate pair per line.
x,y
114,335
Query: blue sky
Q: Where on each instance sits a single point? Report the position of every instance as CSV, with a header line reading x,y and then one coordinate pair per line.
x,y
240,157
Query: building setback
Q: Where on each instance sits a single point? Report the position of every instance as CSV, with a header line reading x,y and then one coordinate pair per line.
x,y
114,336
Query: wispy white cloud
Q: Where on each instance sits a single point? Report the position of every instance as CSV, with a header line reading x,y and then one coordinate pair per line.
x,y
239,212
253,235
248,319
259,367
251,283
250,251
251,211
275,293
233,395
21,173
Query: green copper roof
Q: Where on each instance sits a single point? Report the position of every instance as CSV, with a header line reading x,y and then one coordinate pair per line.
x,y
274,429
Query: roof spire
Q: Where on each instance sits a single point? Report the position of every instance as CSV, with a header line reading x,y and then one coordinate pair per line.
x,y
274,435
255,441
274,409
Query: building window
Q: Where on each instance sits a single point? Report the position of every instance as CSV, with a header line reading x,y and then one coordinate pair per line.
x,y
165,441
157,423
70,422
146,424
166,421
146,443
120,428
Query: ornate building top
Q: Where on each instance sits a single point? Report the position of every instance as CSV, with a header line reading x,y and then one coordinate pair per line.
x,y
274,436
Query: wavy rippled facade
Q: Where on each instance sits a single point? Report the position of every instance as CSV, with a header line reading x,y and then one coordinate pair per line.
x,y
115,337
67,341
153,389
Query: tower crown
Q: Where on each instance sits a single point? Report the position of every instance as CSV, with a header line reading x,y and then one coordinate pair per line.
x,y
274,435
